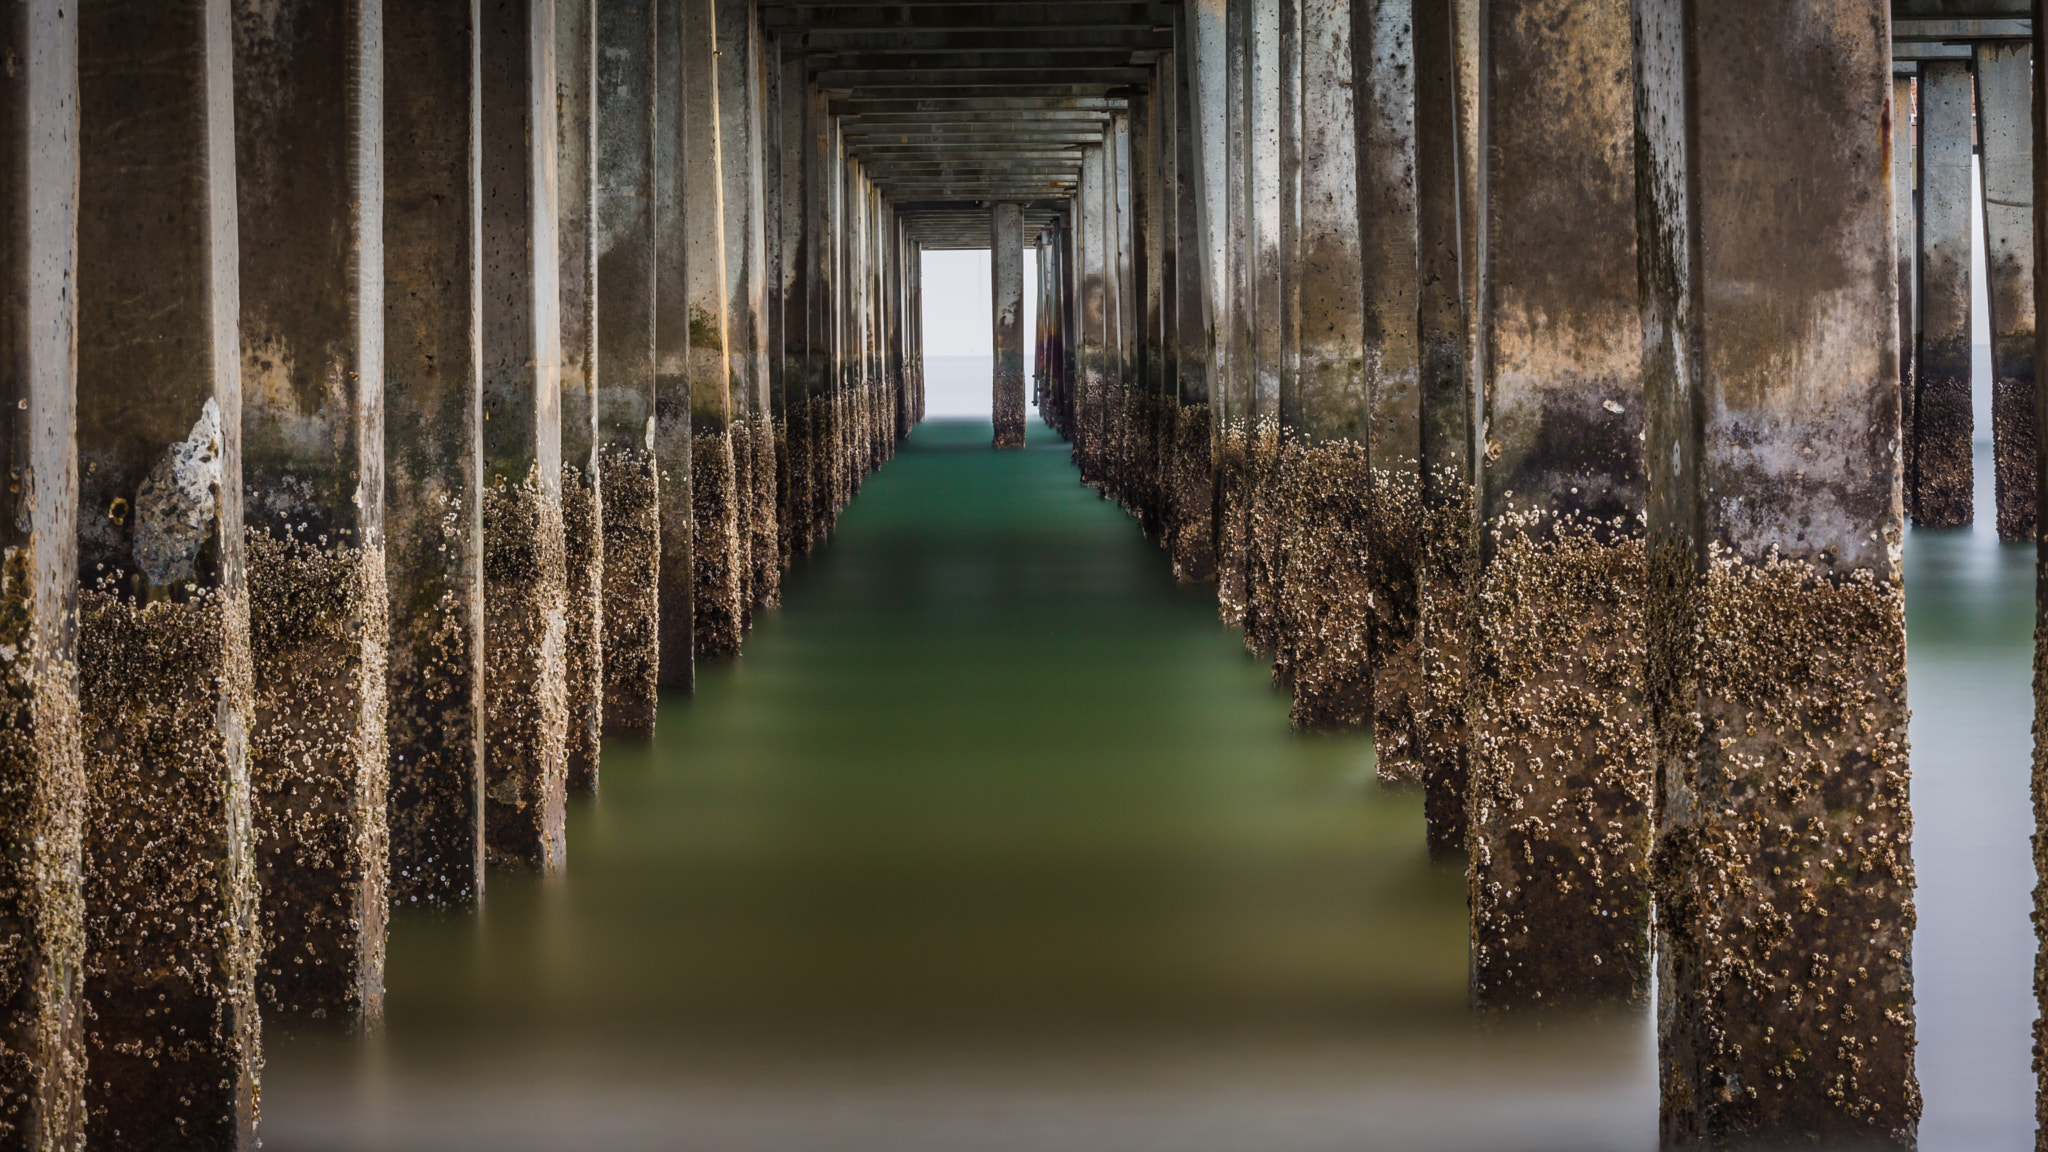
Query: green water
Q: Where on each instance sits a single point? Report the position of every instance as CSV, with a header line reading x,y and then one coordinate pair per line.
x,y
994,839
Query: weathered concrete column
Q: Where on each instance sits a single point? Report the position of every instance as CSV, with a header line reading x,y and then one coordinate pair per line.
x,y
799,335
1235,398
676,616
1906,242
2039,92
2005,127
820,198
1139,482
1266,332
747,288
172,1039
714,480
433,507
43,792
779,245
582,502
1126,359
525,576
1342,348
1193,482
1777,642
1939,494
1446,60
309,144
625,395
1560,788
1006,262
1091,236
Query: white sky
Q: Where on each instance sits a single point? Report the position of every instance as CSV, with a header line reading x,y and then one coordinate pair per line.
x,y
957,295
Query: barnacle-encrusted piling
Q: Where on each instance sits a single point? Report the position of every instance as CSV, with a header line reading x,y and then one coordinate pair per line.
x,y
716,544
1265,497
576,176
1941,495
1193,495
668,427
1560,787
2005,131
1327,587
172,1048
1776,668
1006,268
433,504
42,772
309,132
524,555
632,568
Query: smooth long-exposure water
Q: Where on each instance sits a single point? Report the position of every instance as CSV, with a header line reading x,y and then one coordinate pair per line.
x,y
996,839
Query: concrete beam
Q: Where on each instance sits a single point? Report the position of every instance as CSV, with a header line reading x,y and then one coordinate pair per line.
x,y
1009,40
1938,31
1939,493
172,939
582,503
1001,104
1560,747
309,145
43,793
1776,629
525,573
433,504
1053,80
1960,9
2005,127
626,397
966,17
964,60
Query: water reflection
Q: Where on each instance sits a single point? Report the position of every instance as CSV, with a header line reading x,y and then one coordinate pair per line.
x,y
996,840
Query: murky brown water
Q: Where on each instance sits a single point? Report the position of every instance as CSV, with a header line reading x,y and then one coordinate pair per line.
x,y
995,839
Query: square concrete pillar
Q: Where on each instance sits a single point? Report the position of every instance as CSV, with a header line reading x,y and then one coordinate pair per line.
x,y
525,572
1940,492
1445,75
433,501
1560,774
671,433
1093,216
1006,262
1235,400
582,501
1202,268
797,201
625,396
309,143
741,132
778,244
1268,334
1777,647
43,789
172,1038
715,499
2005,130
1906,243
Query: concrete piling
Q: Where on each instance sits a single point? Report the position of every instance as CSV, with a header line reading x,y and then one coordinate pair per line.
x,y
433,506
753,433
43,787
715,500
2005,127
1447,558
525,567
1776,649
309,144
1560,785
583,531
1328,609
1906,243
1940,495
625,394
172,1041
1006,258
670,434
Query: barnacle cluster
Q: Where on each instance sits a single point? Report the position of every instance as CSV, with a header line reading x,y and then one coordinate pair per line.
x,y
632,581
319,768
714,512
1560,788
525,685
583,539
1783,870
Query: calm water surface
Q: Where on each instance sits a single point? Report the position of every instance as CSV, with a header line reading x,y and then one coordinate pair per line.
x,y
995,839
